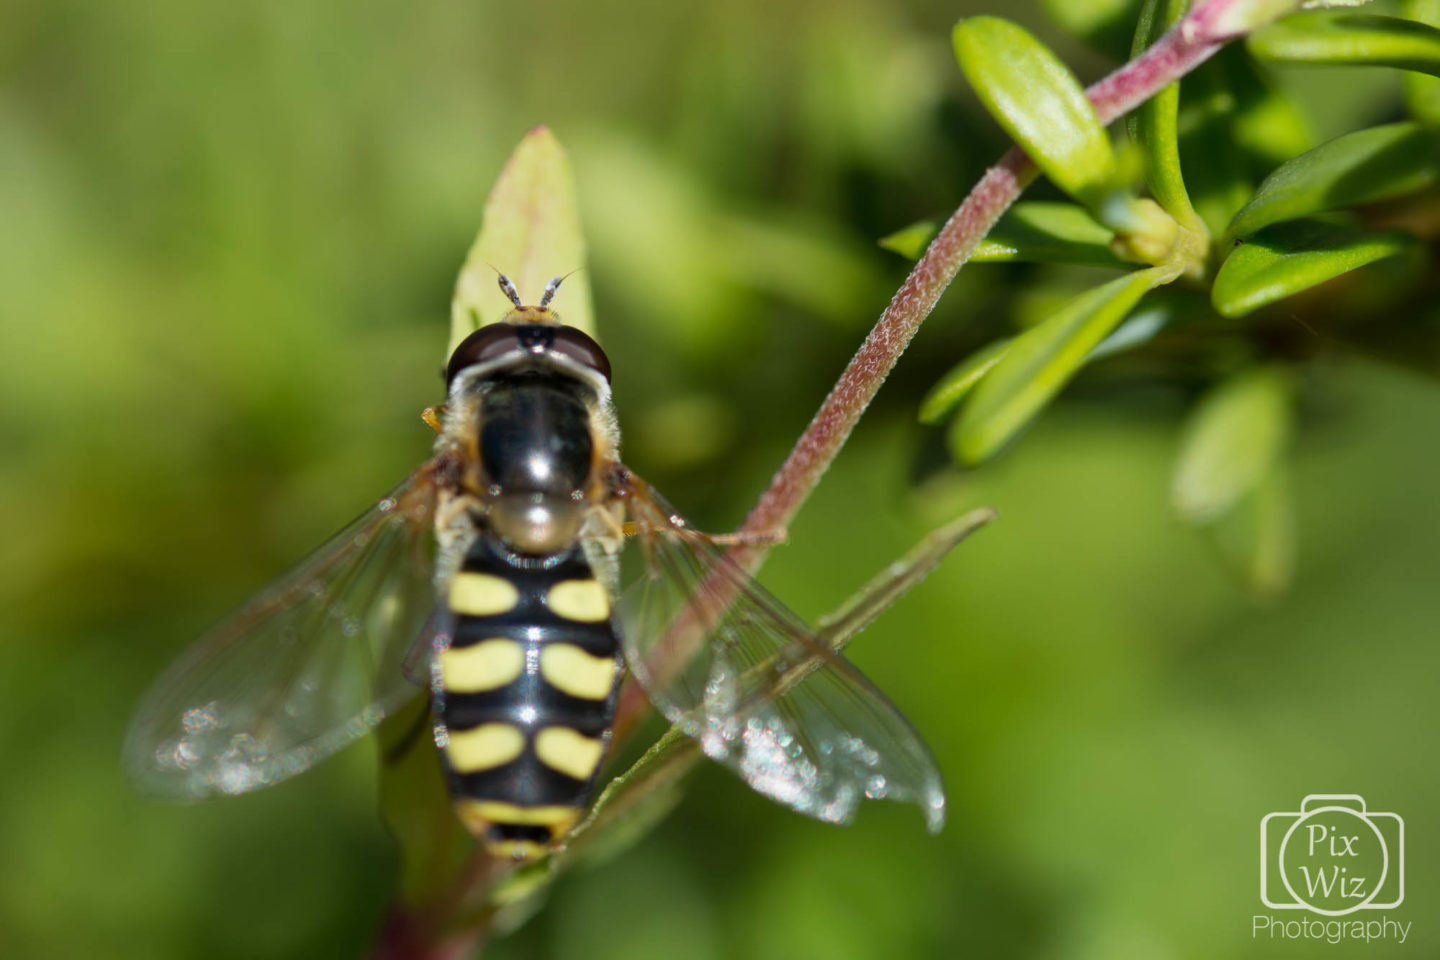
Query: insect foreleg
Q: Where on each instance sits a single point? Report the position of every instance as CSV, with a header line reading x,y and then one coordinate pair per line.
x,y
434,417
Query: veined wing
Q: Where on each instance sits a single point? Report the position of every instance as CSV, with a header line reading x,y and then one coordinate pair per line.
x,y
759,688
309,665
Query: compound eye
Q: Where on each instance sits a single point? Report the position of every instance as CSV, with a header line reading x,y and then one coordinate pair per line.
x,y
490,341
579,347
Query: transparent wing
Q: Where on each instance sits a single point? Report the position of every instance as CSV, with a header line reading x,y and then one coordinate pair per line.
x,y
759,688
310,664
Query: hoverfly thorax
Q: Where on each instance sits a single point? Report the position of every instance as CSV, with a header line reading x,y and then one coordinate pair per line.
x,y
531,395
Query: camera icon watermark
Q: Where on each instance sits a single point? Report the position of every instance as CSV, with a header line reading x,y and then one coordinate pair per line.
x,y
1332,857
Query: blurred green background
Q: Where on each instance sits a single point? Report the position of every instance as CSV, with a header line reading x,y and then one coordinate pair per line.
x,y
228,234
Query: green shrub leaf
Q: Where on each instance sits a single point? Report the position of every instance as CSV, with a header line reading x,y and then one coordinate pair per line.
x,y
1359,167
1140,327
1042,360
1350,38
1422,91
910,242
951,388
1232,440
1039,103
531,233
1154,124
1048,233
1288,258
1256,537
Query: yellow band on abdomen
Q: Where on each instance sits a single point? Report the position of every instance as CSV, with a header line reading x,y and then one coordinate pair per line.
x,y
569,752
582,600
481,594
486,746
487,665
571,670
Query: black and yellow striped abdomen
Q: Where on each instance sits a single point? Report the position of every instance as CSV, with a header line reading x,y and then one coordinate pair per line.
x,y
524,689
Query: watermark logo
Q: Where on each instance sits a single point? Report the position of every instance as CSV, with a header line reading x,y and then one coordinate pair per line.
x,y
1332,857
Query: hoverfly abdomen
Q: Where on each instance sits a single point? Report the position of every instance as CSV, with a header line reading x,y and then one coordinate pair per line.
x,y
524,693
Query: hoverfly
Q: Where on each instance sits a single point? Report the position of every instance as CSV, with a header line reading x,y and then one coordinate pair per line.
x,y
490,578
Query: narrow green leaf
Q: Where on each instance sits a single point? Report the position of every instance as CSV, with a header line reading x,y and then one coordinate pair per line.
x,y
634,802
1154,125
1233,438
1139,328
1048,233
910,242
1287,258
1039,103
949,389
1350,38
531,233
1257,536
1360,167
1042,360
1422,91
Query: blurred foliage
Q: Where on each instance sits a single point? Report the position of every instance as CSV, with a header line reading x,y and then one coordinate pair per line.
x,y
1256,243
227,245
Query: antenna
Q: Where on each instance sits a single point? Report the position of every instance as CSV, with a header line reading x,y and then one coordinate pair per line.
x,y
509,288
550,290
553,286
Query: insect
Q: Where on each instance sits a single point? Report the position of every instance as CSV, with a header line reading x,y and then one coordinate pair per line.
x,y
489,578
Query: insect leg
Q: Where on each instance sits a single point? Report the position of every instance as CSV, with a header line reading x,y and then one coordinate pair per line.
x,y
432,416
757,538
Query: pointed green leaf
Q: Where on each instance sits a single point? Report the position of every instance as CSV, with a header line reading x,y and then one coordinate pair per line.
x,y
1257,535
1287,258
1360,167
1048,233
1042,360
951,388
633,803
1422,91
1039,103
1154,124
1350,38
531,233
1140,327
910,242
1232,440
